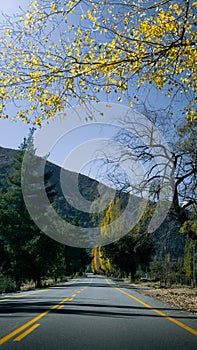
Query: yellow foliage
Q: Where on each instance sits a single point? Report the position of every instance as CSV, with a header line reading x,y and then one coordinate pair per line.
x,y
156,45
105,264
95,261
99,263
8,32
53,7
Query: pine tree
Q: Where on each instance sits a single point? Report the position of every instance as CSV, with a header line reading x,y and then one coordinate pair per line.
x,y
31,253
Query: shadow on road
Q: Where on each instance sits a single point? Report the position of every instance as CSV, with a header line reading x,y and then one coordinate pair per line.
x,y
22,308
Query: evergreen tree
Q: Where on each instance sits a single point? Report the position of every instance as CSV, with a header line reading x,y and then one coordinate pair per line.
x,y
31,253
26,252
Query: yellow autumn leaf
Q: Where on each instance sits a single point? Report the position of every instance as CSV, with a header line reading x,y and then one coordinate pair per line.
x,y
8,32
53,7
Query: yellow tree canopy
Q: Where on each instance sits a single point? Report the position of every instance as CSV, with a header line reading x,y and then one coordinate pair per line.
x,y
100,264
59,50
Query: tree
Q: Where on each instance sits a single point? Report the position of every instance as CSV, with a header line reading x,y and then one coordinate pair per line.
x,y
169,172
190,261
5,261
76,260
17,228
129,252
109,47
28,253
185,161
100,264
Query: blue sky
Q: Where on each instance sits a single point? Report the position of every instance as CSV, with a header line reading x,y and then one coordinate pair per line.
x,y
12,6
75,150
12,133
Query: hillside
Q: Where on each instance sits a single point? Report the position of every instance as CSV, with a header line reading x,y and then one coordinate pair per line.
x,y
167,238
6,162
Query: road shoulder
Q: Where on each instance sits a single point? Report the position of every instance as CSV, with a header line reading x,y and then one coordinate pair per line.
x,y
182,297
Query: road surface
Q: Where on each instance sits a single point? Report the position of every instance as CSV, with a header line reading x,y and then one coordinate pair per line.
x,y
93,313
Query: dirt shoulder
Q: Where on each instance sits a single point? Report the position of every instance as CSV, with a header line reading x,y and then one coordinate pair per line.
x,y
183,297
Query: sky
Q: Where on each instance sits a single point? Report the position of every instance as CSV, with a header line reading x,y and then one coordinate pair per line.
x,y
12,133
12,6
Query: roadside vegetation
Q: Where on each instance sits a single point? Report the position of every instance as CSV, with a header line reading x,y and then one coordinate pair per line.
x,y
29,258
180,296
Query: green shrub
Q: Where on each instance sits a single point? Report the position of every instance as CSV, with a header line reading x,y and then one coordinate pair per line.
x,y
7,284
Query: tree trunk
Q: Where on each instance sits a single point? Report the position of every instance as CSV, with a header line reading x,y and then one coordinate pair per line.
x,y
194,267
38,283
133,271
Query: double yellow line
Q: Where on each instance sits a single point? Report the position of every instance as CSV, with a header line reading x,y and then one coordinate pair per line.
x,y
178,323
26,325
34,320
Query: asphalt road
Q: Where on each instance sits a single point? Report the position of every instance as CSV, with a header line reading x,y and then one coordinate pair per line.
x,y
93,313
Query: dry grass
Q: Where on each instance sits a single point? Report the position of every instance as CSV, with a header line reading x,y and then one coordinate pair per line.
x,y
31,285
183,297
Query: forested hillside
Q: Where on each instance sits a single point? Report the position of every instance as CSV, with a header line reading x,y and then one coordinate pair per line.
x,y
6,163
167,238
27,253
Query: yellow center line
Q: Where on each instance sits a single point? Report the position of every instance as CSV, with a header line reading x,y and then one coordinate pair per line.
x,y
20,329
63,301
60,307
35,319
23,335
178,323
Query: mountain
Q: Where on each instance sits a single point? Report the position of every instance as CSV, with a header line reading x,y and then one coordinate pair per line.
x,y
6,163
166,238
87,186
